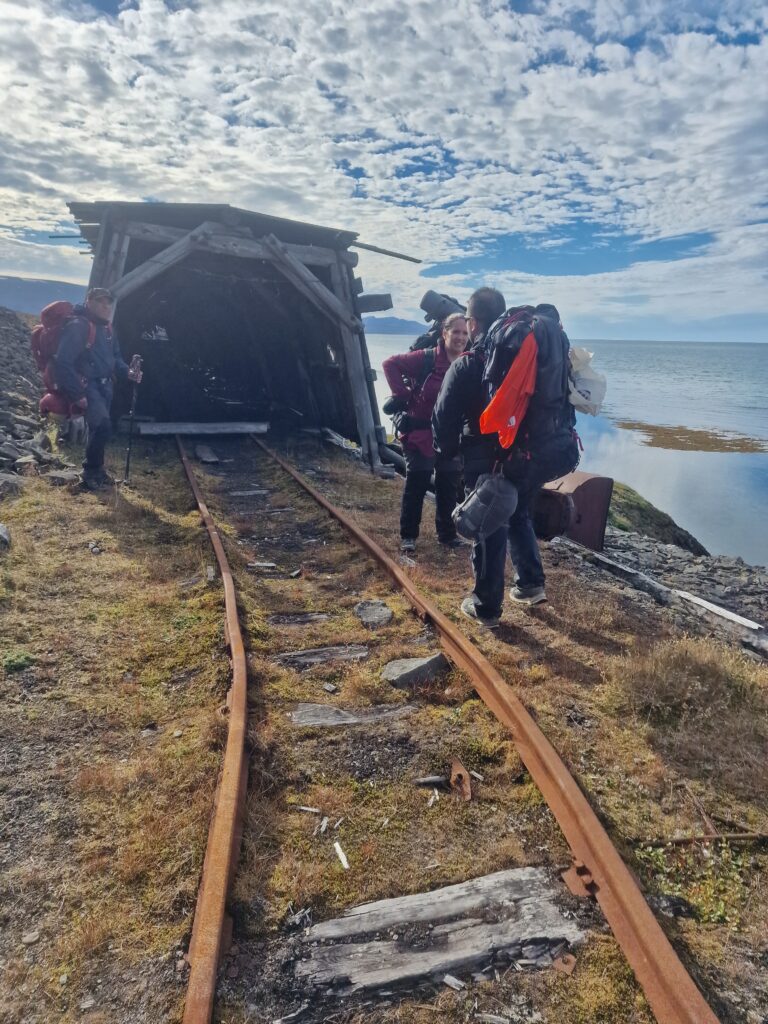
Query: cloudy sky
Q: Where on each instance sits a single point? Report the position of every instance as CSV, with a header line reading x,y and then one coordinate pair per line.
x,y
610,156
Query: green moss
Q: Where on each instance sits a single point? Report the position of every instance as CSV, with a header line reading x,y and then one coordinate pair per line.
x,y
630,511
17,661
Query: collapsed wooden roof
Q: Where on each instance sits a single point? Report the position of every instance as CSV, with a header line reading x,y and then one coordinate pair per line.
x,y
236,312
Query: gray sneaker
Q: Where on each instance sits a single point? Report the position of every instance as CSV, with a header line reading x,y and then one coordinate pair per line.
x,y
469,608
528,595
408,544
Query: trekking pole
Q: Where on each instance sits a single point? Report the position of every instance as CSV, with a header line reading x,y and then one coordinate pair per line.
x,y
135,366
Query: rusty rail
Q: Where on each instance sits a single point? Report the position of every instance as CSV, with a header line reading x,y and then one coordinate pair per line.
x,y
669,989
226,825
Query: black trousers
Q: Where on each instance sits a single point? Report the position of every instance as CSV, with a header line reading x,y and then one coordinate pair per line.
x,y
447,495
99,424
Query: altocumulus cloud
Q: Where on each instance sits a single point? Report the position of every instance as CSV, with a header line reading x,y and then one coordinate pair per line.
x,y
475,135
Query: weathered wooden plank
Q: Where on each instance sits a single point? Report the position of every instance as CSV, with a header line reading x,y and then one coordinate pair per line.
x,y
158,429
331,716
716,609
160,262
513,886
373,303
100,254
510,914
225,242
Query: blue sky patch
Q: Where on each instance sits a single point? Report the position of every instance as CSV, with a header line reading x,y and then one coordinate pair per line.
x,y
580,248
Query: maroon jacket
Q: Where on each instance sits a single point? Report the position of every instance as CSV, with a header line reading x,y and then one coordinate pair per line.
x,y
402,372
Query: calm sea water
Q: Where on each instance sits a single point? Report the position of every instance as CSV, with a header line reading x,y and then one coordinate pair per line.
x,y
685,424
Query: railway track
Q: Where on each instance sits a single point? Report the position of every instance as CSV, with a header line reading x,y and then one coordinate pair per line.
x,y
282,496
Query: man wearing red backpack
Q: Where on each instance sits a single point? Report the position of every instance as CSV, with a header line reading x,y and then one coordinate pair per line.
x,y
87,360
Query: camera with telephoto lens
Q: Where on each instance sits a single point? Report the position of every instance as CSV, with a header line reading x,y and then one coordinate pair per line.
x,y
437,307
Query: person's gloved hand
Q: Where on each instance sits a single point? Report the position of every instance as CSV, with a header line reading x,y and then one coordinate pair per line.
x,y
395,404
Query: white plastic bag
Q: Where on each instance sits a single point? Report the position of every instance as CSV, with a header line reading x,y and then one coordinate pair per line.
x,y
587,387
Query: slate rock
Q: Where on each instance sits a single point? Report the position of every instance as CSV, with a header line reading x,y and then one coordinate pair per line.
x,y
320,655
405,673
373,614
63,478
10,483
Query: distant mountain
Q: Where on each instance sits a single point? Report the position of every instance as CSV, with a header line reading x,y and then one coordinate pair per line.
x,y
393,325
25,295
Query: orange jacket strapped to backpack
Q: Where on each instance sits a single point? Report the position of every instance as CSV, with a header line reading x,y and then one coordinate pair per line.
x,y
506,410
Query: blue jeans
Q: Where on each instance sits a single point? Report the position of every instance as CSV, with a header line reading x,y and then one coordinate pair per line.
x,y
488,558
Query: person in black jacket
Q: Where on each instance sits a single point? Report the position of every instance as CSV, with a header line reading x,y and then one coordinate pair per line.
x,y
545,447
85,371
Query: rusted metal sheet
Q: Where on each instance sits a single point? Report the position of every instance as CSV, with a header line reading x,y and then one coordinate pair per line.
x,y
591,496
669,989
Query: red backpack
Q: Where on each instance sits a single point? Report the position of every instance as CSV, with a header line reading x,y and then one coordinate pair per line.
x,y
45,337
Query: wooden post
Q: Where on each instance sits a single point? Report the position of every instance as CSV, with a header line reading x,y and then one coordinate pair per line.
x,y
366,410
101,254
118,254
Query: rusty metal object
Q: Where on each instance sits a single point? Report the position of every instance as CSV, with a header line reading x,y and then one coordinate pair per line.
x,y
591,497
460,783
669,989
579,879
221,854
565,963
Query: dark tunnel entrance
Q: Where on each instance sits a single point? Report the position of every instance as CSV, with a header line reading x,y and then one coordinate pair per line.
x,y
223,346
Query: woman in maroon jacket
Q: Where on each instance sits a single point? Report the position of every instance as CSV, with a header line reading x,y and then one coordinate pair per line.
x,y
417,394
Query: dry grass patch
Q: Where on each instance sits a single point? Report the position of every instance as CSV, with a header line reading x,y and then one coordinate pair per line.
x,y
114,644
705,707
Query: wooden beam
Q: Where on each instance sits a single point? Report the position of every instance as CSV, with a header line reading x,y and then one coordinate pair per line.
x,y
160,262
385,252
309,285
373,303
230,242
157,429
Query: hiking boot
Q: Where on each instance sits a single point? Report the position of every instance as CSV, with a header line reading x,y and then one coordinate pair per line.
x,y
102,475
528,595
469,608
91,481
453,542
408,545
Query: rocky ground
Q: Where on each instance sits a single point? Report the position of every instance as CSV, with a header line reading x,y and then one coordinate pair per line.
x,y
110,757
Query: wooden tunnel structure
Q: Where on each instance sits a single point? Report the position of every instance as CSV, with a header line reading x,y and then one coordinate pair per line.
x,y
238,315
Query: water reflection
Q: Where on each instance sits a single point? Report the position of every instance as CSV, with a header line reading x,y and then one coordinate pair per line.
x,y
719,497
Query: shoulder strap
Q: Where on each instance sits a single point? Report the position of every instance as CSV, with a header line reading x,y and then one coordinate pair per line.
x,y
427,366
